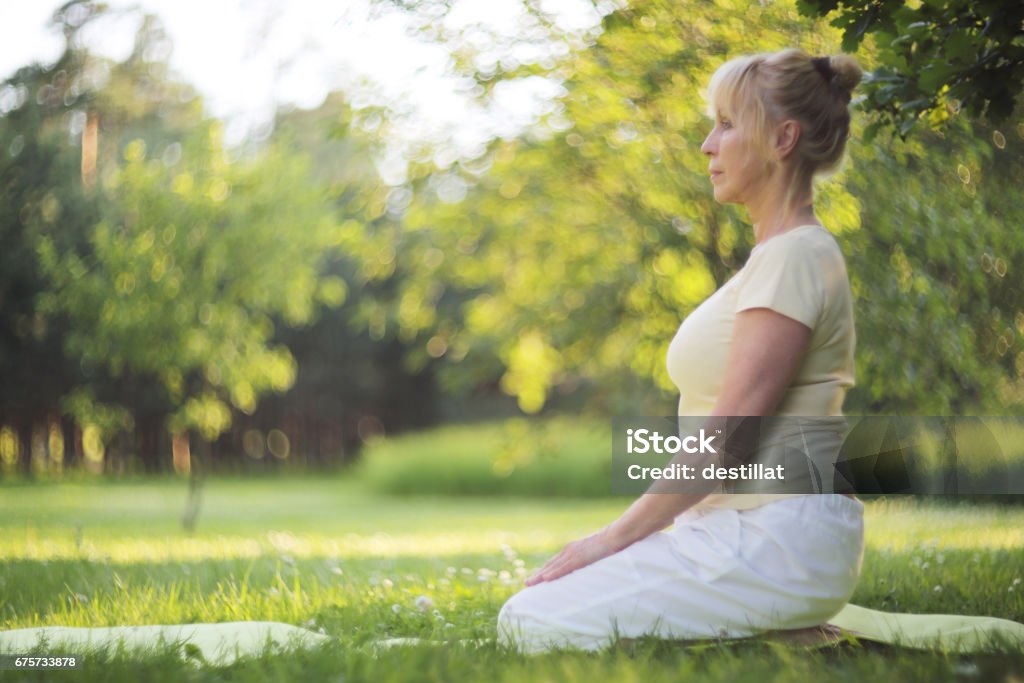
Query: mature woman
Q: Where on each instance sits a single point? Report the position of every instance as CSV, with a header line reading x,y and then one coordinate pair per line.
x,y
776,340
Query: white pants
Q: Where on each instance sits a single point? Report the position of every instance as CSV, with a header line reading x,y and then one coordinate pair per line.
x,y
717,573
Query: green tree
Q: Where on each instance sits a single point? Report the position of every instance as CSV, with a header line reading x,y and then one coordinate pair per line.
x,y
934,57
583,244
41,118
187,266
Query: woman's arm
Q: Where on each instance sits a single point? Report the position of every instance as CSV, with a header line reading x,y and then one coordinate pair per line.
x,y
764,357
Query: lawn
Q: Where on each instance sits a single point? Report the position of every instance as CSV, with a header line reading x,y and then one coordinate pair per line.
x,y
324,553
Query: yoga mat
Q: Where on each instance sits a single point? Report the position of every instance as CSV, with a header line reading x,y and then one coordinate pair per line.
x,y
221,644
945,632
216,644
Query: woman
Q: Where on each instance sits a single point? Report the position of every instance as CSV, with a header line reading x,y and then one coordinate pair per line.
x,y
777,339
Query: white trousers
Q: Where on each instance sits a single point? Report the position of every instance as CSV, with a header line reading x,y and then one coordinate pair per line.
x,y
717,573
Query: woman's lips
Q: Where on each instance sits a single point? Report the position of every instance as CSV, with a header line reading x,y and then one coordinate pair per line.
x,y
715,174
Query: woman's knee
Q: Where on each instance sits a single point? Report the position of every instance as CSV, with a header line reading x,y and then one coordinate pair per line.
x,y
525,622
514,615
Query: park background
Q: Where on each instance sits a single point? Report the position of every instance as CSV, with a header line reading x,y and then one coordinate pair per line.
x,y
342,369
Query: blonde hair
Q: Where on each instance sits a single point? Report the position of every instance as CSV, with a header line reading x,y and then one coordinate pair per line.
x,y
759,91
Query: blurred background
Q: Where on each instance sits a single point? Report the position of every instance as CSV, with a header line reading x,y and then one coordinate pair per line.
x,y
259,236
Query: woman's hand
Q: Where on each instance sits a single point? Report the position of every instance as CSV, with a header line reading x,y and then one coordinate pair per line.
x,y
576,555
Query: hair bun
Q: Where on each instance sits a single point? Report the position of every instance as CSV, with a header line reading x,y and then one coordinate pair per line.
x,y
848,72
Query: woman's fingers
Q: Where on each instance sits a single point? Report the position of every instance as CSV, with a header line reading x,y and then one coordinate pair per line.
x,y
560,565
541,574
575,555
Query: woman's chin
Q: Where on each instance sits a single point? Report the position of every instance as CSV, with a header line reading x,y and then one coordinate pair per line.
x,y
721,196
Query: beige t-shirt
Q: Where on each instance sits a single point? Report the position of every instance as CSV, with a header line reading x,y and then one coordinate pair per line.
x,y
801,274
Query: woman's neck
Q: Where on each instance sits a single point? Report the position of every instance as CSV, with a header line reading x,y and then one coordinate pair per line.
x,y
778,222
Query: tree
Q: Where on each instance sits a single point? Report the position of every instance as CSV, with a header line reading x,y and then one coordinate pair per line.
x,y
146,261
585,242
187,266
934,58
41,121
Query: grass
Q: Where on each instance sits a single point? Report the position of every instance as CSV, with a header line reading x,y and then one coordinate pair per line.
x,y
546,458
325,553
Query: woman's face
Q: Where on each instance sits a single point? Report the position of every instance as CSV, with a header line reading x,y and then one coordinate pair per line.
x,y
736,166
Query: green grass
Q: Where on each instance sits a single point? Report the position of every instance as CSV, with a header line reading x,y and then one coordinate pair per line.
x,y
325,553
549,457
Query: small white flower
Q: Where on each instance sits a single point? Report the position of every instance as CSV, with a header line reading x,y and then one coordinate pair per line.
x,y
452,571
337,570
288,559
467,571
1016,582
82,597
969,669
310,623
520,571
387,583
925,565
938,589
396,608
1010,589
504,576
449,625
424,602
520,563
273,591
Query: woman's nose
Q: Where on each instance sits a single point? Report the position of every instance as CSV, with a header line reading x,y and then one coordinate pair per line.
x,y
705,148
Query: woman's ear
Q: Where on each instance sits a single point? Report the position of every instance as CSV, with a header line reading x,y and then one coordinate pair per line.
x,y
786,135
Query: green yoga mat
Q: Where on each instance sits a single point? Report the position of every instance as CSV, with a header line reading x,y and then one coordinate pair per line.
x,y
945,632
216,644
223,643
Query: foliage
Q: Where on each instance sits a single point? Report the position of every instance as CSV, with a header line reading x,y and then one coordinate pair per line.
x,y
940,316
185,269
934,57
41,197
582,244
151,280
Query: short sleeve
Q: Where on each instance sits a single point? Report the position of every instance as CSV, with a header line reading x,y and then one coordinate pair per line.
x,y
785,275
